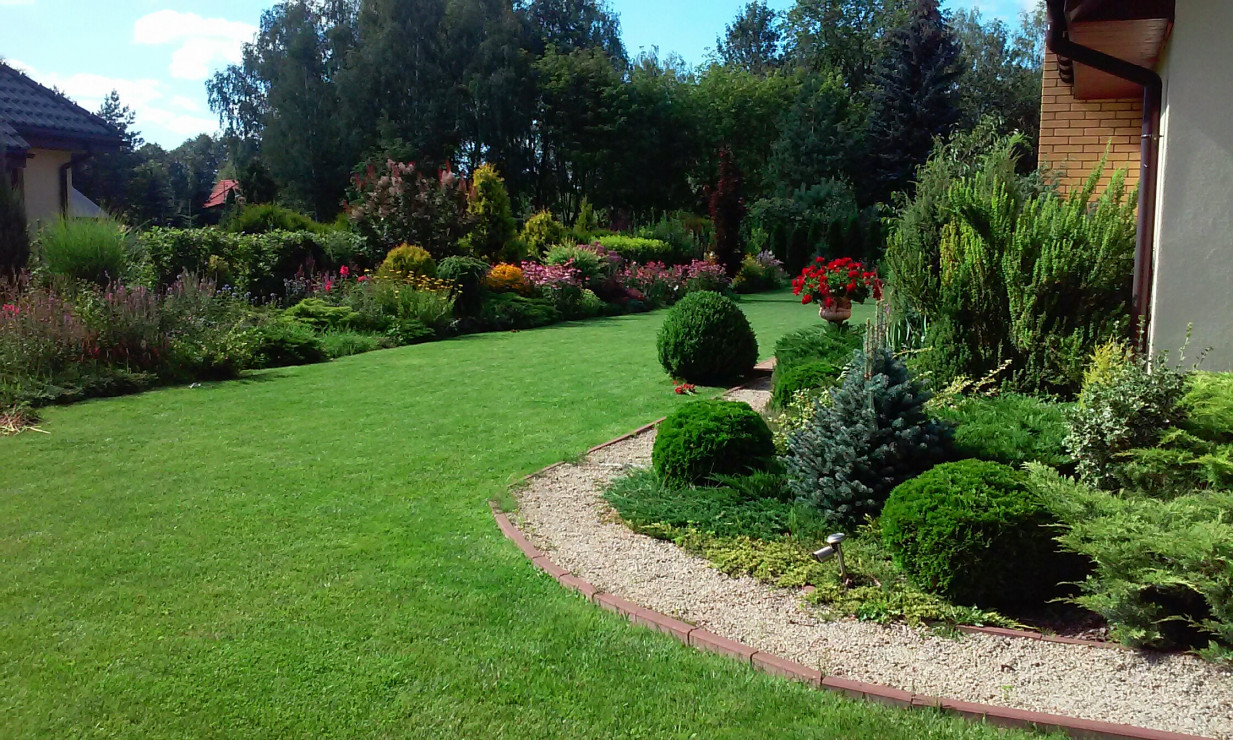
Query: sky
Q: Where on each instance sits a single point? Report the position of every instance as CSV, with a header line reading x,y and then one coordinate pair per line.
x,y
158,54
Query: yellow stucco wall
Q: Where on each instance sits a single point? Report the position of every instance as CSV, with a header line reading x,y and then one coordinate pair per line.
x,y
41,184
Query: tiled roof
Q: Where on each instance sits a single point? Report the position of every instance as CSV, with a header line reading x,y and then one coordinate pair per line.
x,y
10,139
218,196
28,109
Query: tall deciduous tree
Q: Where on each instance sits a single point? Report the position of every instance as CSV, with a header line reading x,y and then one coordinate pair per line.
x,y
571,25
283,94
914,99
1001,70
844,35
753,41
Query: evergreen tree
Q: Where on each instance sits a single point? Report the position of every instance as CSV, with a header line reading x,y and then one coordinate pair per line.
x,y
105,177
821,134
871,435
752,41
914,99
493,226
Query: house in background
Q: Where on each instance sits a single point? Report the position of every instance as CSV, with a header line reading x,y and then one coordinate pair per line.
x,y
224,192
43,134
1151,81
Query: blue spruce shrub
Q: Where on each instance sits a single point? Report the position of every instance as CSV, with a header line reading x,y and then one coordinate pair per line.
x,y
872,435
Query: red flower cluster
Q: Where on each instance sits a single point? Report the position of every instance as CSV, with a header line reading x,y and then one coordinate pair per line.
x,y
344,271
686,389
9,309
840,279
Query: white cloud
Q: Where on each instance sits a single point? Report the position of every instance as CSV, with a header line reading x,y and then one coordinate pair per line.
x,y
204,43
147,97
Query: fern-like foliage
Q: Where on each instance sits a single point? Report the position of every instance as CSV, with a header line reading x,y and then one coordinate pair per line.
x,y
872,434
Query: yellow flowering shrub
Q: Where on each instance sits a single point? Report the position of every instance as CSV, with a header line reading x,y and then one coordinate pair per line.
x,y
407,260
505,278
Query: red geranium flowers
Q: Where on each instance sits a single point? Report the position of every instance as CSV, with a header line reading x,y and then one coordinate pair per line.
x,y
839,279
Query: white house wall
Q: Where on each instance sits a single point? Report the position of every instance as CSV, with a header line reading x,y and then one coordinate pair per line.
x,y
1193,288
42,185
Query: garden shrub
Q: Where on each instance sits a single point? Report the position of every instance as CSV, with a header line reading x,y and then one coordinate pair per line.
x,y
1208,407
285,343
491,220
687,235
1007,272
704,439
645,500
1011,429
403,332
797,226
505,311
467,274
758,273
819,342
407,260
973,532
261,218
335,343
1125,404
394,203
1162,573
706,339
92,250
641,250
810,376
542,232
259,264
319,315
590,265
505,278
873,435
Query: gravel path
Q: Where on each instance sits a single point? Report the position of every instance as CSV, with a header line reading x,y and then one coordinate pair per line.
x,y
564,514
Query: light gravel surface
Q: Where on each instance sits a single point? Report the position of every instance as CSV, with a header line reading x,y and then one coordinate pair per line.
x,y
564,513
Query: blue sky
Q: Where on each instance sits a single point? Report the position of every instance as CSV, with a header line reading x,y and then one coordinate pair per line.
x,y
157,54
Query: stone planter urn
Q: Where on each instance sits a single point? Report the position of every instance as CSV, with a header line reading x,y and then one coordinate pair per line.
x,y
840,312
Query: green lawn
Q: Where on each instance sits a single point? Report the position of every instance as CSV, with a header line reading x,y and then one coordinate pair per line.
x,y
309,553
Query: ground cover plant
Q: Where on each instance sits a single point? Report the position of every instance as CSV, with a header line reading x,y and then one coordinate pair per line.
x,y
241,548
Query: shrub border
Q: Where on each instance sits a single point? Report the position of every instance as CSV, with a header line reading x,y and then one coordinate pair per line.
x,y
702,639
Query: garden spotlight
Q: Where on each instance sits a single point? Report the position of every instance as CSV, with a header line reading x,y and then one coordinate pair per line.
x,y
833,548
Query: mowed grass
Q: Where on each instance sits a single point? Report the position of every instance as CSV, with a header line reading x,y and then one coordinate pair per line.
x,y
309,553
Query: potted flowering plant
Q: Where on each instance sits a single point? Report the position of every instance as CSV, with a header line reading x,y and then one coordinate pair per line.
x,y
835,285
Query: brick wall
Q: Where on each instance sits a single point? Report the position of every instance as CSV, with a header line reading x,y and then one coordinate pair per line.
x,y
1075,133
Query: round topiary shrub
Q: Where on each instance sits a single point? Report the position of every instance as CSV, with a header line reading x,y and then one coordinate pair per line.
x,y
811,375
974,533
707,340
407,260
708,438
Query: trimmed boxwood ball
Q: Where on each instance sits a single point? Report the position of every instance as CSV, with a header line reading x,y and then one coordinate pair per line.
x,y
973,532
811,375
707,340
708,438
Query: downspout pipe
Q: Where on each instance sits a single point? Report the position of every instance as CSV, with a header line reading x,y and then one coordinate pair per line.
x,y
1058,41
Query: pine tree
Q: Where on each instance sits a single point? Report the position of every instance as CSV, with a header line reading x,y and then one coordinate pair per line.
x,y
914,99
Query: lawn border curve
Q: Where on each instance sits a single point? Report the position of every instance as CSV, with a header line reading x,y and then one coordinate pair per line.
x,y
702,639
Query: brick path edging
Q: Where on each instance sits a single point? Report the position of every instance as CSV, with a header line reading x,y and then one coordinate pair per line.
x,y
703,639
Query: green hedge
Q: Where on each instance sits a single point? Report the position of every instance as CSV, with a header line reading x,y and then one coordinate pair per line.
x,y
640,250
253,263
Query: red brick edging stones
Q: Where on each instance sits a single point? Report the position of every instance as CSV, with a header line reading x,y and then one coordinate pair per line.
x,y
702,639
